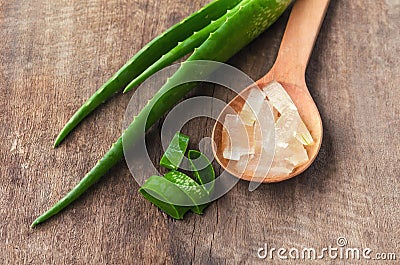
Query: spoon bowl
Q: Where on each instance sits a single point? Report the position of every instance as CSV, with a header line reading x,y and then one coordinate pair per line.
x,y
308,112
289,70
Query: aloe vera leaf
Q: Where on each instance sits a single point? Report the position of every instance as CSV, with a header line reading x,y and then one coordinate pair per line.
x,y
218,46
146,57
175,152
202,169
191,188
159,187
184,47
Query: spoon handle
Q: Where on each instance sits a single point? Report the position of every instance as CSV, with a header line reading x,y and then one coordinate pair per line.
x,y
298,40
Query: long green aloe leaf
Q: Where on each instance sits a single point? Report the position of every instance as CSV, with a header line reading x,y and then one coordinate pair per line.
x,y
147,56
252,18
183,48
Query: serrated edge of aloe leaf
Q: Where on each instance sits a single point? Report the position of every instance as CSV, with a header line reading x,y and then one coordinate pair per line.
x,y
184,47
141,59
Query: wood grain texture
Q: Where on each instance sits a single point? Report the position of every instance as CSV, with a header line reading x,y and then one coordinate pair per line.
x,y
54,54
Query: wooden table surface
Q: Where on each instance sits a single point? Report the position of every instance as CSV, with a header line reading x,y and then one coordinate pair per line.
x,y
55,54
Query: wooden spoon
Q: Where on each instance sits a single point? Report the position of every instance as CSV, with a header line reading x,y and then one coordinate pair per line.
x,y
289,69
